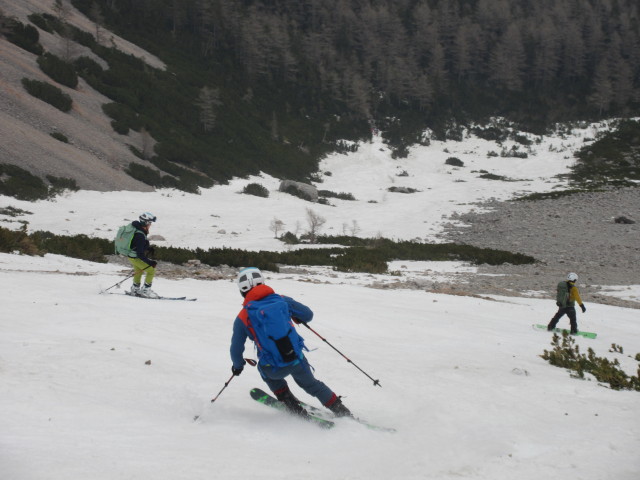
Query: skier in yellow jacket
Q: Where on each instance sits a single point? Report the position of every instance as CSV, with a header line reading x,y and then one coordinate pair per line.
x,y
566,298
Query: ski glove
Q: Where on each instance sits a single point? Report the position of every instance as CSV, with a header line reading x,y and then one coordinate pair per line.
x,y
153,263
584,309
297,320
236,371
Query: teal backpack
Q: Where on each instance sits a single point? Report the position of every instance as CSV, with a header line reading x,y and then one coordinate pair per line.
x,y
124,237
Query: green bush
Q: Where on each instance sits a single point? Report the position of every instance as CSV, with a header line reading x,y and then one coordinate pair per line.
x,y
123,116
493,176
18,183
454,161
12,241
187,180
59,70
119,127
60,136
402,190
556,194
290,239
256,189
39,243
24,36
76,246
40,21
48,93
87,67
613,159
59,185
566,354
360,255
341,195
144,174
13,211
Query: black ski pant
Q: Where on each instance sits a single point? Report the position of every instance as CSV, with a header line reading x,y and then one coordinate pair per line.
x,y
570,312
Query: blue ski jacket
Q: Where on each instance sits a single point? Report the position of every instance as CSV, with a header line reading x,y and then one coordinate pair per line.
x,y
240,334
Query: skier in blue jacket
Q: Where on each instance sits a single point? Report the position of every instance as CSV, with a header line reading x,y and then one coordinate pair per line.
x,y
252,287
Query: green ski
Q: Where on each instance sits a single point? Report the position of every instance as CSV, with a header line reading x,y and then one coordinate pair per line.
x,y
320,413
262,397
316,414
561,330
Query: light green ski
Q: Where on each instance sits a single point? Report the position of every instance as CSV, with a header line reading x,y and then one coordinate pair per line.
x,y
561,330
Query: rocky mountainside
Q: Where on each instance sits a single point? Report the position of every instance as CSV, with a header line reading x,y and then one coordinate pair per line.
x,y
95,155
577,233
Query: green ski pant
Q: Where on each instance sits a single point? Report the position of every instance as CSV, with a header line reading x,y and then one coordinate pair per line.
x,y
140,267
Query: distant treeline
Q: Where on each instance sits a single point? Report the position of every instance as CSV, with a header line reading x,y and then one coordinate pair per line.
x,y
527,59
273,85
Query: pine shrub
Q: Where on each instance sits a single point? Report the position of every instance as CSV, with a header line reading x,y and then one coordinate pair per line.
x,y
60,136
613,159
60,184
24,36
119,127
124,118
59,70
87,68
566,354
40,21
454,161
145,174
19,183
13,211
290,239
48,93
75,246
256,189
341,195
17,241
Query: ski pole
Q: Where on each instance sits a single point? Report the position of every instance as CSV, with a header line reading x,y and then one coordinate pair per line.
x,y
250,362
225,386
375,382
123,280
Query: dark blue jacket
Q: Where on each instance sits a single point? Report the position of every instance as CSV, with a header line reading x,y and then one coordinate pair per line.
x,y
139,243
241,332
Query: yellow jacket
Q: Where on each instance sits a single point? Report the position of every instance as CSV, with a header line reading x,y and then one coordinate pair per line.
x,y
574,296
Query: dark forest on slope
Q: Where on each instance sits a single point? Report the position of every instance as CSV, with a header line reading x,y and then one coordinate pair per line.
x,y
274,84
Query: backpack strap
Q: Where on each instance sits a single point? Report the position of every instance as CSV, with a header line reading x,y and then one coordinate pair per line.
x,y
244,318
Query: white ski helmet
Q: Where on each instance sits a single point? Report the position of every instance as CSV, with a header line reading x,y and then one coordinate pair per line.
x,y
248,278
572,277
147,218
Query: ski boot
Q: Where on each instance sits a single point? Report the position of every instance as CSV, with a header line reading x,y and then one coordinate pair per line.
x,y
146,292
291,403
338,408
135,290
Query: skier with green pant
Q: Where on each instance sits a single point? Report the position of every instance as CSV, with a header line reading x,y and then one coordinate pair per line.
x,y
566,297
132,242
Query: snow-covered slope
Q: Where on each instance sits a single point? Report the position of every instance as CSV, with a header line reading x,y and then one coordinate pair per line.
x,y
107,386
221,216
